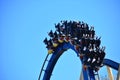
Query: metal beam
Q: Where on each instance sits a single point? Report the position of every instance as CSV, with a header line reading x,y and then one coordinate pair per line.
x,y
81,75
110,75
85,74
118,75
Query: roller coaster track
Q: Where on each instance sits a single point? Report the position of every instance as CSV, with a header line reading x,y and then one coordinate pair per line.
x,y
88,73
111,64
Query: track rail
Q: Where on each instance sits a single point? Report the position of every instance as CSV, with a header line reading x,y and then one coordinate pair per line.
x,y
111,64
83,41
42,69
54,58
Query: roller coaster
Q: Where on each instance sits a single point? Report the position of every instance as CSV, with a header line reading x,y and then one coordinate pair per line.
x,y
82,39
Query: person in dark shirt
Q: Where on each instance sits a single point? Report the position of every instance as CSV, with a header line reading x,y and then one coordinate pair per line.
x,y
83,41
45,41
86,56
55,35
57,27
92,42
101,56
92,32
96,57
87,42
97,42
92,58
51,34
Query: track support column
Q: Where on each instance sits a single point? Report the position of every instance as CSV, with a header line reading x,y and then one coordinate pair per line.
x,y
110,75
85,74
81,75
118,75
91,74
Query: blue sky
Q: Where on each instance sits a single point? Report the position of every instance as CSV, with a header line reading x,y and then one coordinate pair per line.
x,y
24,25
